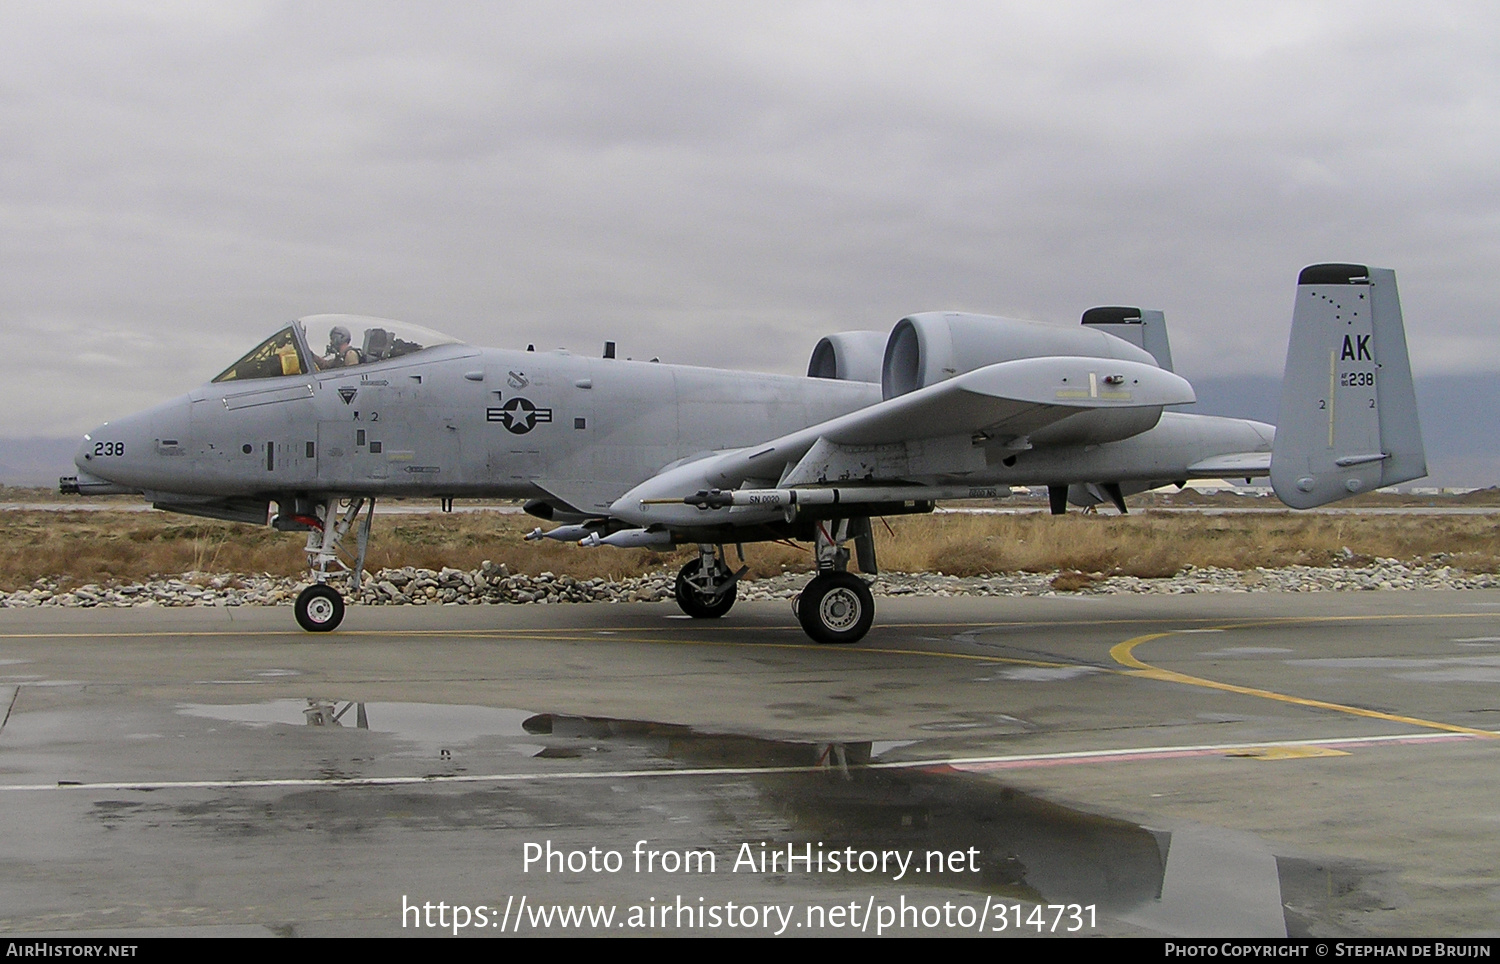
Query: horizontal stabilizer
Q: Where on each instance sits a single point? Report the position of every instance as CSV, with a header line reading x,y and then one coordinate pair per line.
x,y
1239,464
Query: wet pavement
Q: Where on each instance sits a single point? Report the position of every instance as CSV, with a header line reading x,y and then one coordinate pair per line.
x,y
1225,765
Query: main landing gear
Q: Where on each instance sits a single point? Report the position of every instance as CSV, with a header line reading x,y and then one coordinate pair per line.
x,y
320,607
835,607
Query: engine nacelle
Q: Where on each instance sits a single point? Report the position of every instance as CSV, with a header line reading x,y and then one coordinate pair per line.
x,y
849,356
933,346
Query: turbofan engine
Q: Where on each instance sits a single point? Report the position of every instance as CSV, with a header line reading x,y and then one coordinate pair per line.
x,y
927,348
850,356
933,346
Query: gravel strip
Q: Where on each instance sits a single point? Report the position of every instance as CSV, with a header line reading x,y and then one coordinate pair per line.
x,y
494,584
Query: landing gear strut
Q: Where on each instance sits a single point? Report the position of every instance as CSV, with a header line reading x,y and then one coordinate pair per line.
x,y
706,588
837,607
320,607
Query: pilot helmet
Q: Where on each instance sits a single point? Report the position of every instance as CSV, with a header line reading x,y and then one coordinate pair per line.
x,y
339,335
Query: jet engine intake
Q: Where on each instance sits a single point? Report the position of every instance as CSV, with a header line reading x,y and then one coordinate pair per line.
x,y
928,348
849,356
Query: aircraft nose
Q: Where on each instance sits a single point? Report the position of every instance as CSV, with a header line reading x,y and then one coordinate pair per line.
x,y
113,459
117,449
101,450
142,451
85,447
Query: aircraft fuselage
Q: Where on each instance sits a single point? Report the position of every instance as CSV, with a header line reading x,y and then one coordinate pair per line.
x,y
460,421
466,422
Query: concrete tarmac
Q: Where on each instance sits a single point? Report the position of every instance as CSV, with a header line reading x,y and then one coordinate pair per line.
x,y
1225,764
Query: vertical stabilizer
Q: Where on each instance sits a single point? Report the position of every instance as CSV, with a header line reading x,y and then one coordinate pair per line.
x,y
1348,420
1142,327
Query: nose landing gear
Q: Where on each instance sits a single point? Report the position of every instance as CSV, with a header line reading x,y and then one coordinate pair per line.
x,y
706,588
320,607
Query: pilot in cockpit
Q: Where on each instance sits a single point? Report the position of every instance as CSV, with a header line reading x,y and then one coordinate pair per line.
x,y
341,354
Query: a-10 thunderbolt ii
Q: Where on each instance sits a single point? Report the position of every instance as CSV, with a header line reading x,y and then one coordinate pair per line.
x,y
625,453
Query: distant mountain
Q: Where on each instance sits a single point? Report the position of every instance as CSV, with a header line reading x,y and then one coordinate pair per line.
x,y
1458,414
36,461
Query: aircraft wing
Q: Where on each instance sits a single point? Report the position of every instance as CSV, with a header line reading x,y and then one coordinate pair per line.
x,y
927,432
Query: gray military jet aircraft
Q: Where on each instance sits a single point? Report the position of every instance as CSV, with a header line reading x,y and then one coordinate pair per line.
x,y
625,453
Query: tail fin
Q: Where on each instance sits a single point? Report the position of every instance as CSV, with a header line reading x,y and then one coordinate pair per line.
x,y
1348,420
1143,328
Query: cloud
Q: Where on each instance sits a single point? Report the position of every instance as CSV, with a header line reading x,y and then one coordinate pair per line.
x,y
722,184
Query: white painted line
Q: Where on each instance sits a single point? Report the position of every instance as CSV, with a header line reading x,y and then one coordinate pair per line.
x,y
957,763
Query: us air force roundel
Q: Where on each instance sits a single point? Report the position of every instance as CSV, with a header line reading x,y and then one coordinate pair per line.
x,y
518,415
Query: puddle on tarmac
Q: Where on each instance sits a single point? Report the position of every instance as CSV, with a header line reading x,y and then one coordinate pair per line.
x,y
38,681
1040,674
1395,662
1244,650
429,725
991,723
1327,897
1193,880
1417,669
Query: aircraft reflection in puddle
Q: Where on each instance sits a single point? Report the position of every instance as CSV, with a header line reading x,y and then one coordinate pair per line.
x,y
1027,848
1216,882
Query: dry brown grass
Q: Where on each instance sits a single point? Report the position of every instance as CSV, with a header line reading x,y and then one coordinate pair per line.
x,y
1160,545
108,545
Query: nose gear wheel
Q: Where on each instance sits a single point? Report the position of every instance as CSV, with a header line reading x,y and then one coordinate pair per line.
x,y
695,600
320,608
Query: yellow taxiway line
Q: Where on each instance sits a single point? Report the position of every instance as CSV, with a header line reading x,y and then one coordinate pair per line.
x,y
1124,654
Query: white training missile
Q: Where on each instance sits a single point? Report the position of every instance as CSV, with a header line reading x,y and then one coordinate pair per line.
x,y
629,539
562,533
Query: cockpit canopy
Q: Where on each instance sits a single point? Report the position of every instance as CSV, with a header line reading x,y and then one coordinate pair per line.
x,y
353,340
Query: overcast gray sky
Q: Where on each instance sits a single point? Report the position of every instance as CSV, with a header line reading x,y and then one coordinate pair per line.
x,y
722,184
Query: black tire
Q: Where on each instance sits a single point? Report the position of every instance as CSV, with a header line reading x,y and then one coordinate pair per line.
x,y
320,608
695,605
836,607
